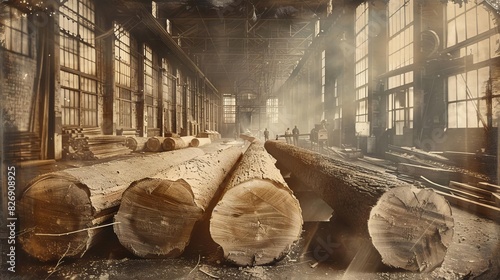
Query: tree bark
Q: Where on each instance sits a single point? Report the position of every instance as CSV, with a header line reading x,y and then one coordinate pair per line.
x,y
258,219
157,214
198,142
175,143
410,228
58,210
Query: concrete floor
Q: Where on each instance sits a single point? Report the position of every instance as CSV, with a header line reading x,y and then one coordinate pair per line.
x,y
474,254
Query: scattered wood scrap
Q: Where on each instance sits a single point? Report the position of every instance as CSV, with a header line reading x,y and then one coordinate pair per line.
x,y
438,175
466,198
411,228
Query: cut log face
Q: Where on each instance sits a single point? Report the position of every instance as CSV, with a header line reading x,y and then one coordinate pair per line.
x,y
258,219
153,215
56,204
136,144
411,229
71,205
175,143
352,191
198,142
157,214
255,224
155,144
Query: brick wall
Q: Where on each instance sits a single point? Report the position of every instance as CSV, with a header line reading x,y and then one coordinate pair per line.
x,y
18,89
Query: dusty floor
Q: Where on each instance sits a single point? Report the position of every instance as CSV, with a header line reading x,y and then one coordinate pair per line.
x,y
323,252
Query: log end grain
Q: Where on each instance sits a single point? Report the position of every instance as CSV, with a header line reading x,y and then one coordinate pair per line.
x,y
156,218
155,144
49,208
256,223
198,142
411,228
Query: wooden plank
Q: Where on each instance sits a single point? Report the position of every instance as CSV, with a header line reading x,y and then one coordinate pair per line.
x,y
480,209
438,175
488,186
471,189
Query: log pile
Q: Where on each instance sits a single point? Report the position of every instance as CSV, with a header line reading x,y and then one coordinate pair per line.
x,y
62,212
410,228
157,214
89,144
258,218
21,146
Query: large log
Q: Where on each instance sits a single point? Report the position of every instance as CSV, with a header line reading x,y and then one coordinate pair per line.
x,y
175,143
410,228
258,218
136,144
198,142
155,144
59,211
157,214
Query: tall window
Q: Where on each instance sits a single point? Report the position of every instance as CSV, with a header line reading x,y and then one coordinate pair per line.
x,y
323,82
401,110
123,77
150,90
473,28
167,89
78,63
179,100
401,52
361,67
229,103
14,34
400,33
337,106
154,9
466,21
272,110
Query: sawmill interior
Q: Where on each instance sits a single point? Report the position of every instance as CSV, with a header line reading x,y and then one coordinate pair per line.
x,y
250,139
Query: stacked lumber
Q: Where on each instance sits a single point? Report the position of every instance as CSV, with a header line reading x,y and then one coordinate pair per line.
x,y
410,228
258,218
21,146
158,213
175,143
63,212
136,144
89,144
